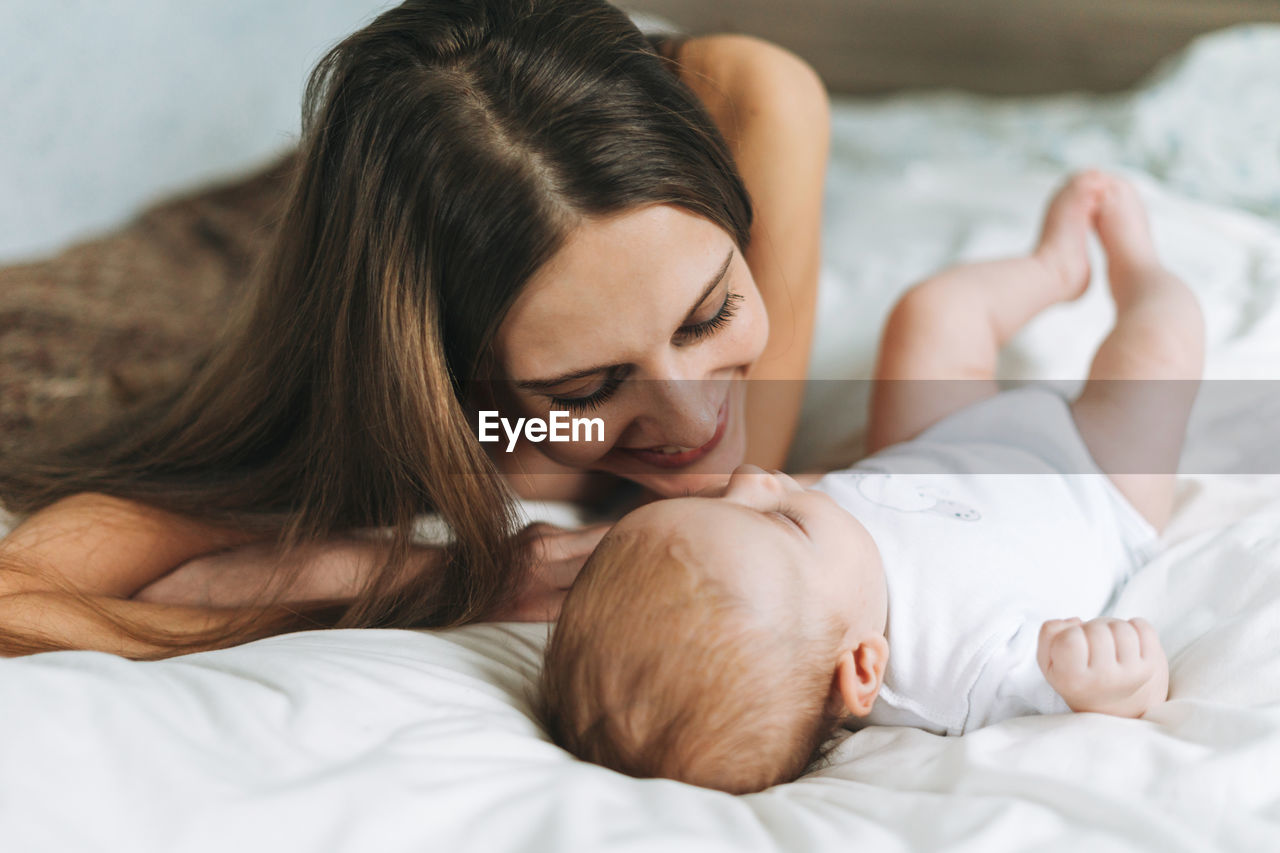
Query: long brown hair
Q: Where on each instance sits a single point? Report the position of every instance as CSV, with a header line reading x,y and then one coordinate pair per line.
x,y
447,150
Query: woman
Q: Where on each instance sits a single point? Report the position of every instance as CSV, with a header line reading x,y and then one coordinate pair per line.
x,y
515,205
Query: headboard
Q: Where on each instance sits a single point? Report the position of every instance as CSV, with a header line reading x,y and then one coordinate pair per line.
x,y
996,46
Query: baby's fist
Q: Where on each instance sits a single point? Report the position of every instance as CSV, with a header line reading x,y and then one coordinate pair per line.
x,y
1109,666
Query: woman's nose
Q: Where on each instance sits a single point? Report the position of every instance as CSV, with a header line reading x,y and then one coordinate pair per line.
x,y
690,410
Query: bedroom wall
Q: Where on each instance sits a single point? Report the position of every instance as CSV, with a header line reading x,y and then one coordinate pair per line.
x,y
108,104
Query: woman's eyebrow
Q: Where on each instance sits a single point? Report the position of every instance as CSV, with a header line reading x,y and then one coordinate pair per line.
x,y
544,384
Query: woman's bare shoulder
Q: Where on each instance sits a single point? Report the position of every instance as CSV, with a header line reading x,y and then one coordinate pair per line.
x,y
743,78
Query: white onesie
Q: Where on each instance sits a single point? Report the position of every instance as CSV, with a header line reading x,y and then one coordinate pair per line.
x,y
990,522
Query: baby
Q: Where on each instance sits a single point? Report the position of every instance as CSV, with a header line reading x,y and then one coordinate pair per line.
x,y
720,639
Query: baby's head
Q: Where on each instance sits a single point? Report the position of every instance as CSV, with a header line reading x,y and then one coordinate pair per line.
x,y
719,640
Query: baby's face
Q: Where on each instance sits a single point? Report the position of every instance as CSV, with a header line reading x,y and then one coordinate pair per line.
x,y
780,546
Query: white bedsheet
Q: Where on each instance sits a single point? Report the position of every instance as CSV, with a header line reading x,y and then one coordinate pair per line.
x,y
400,741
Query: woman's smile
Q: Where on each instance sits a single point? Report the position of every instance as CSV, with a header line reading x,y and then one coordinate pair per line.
x,y
673,456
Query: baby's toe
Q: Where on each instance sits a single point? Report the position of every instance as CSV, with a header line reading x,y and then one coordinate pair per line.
x,y
1089,185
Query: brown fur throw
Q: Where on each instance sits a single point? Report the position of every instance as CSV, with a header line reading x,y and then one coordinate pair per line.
x,y
85,333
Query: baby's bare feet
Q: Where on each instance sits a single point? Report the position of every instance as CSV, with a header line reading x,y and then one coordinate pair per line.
x,y
1109,666
1064,236
1121,222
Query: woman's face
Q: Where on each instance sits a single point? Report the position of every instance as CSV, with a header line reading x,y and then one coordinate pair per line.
x,y
643,320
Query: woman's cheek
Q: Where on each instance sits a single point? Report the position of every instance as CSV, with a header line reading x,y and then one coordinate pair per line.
x,y
579,454
753,329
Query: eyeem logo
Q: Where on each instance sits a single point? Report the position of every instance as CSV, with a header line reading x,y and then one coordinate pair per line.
x,y
559,427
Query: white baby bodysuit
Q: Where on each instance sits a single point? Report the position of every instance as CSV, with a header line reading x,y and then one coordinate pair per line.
x,y
989,523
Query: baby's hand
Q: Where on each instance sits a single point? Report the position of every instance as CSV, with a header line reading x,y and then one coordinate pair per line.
x,y
1110,666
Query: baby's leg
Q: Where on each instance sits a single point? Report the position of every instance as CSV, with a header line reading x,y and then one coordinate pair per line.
x,y
1133,411
951,327
1110,666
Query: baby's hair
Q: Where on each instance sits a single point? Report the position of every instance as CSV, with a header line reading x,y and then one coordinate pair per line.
x,y
658,670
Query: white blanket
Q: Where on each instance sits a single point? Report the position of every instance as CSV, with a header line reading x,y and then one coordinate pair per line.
x,y
400,740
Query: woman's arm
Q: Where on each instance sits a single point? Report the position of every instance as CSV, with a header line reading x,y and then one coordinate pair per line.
x,y
105,546
339,570
66,571
335,570
94,623
773,110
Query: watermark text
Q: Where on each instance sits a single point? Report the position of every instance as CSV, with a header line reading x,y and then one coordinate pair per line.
x,y
559,426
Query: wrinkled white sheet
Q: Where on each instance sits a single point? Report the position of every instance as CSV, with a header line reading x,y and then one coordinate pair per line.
x,y
918,182
400,741
406,741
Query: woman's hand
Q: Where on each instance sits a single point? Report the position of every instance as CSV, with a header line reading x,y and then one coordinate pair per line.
x,y
558,556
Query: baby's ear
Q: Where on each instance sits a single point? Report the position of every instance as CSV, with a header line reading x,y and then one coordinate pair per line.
x,y
859,674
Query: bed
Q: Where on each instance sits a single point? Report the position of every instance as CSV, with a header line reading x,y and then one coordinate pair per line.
x,y
423,740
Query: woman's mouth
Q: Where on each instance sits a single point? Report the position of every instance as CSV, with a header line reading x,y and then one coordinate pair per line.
x,y
671,456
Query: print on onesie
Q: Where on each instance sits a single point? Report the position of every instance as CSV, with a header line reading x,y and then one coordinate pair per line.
x,y
901,494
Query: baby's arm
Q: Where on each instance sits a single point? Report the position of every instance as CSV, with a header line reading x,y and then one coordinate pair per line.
x,y
1109,666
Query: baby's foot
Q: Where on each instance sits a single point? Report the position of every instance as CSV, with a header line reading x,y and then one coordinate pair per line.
x,y
1122,227
1064,236
1109,666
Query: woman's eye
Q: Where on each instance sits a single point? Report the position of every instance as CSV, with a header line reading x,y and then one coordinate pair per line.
x,y
586,402
698,331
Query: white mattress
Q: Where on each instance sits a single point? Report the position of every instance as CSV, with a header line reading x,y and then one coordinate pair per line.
x,y
400,741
